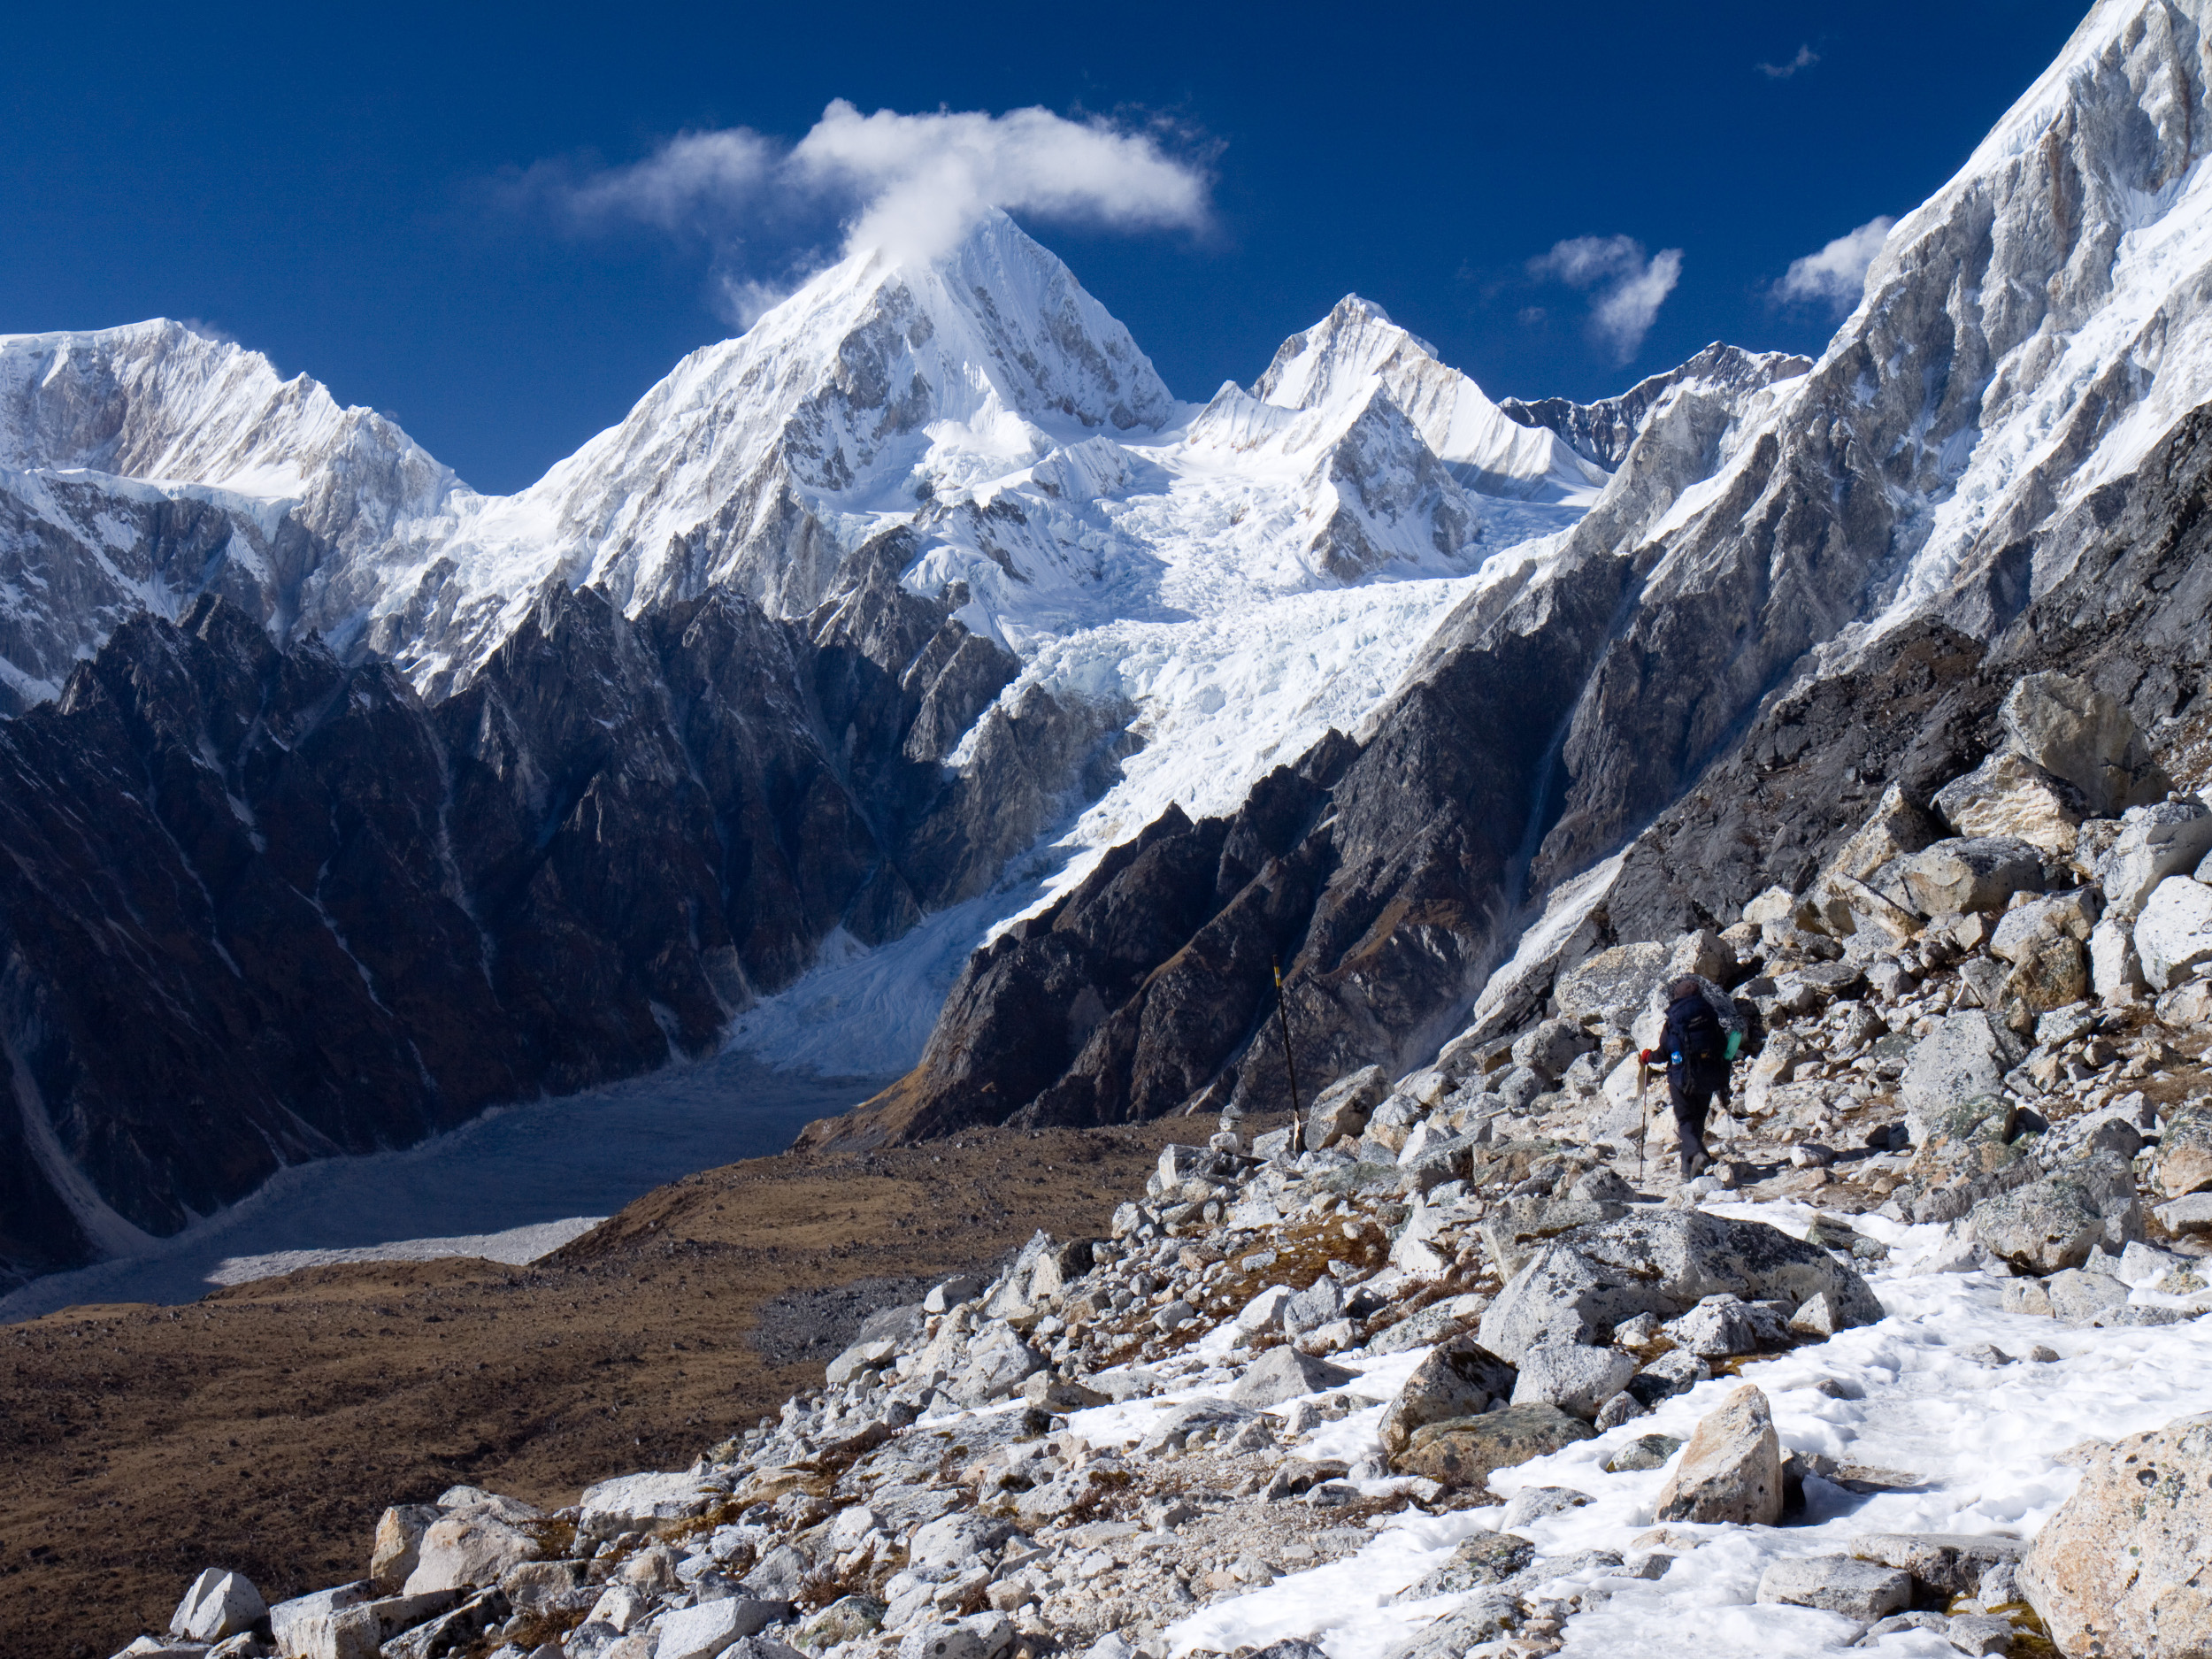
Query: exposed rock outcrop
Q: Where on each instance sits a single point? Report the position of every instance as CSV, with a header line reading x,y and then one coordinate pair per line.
x,y
340,920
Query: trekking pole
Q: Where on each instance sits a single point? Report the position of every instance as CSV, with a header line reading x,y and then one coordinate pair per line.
x,y
1643,1118
1290,1067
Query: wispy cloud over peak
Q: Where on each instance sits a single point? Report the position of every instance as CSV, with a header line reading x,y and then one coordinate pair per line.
x,y
911,185
1836,276
1629,286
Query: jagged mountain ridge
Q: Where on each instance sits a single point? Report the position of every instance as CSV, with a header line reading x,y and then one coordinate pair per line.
x,y
1601,432
797,586
2017,386
140,467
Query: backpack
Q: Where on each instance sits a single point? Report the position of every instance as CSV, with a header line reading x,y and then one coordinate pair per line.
x,y
1693,1032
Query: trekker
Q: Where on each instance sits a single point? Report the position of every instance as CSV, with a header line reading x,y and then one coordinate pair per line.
x,y
1696,1050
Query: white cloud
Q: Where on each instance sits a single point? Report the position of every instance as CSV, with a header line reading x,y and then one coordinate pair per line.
x,y
1630,286
926,179
911,185
1836,276
1805,60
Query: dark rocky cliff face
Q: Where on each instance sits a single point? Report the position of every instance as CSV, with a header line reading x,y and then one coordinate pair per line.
x,y
256,906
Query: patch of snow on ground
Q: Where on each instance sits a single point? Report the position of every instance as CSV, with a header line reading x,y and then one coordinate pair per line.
x,y
1986,1442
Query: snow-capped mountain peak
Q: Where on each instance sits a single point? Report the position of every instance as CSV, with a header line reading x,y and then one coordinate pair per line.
x,y
1357,343
161,402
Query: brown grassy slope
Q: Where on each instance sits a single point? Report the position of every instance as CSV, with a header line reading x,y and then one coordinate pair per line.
x,y
264,1428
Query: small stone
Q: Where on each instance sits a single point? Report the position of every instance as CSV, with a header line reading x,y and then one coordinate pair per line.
x,y
1533,1503
1622,1408
1979,1633
1646,1451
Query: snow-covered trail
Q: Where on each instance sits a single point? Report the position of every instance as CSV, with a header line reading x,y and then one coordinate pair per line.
x,y
512,1185
1915,1393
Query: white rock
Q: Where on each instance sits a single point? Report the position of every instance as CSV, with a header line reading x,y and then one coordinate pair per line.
x,y
2155,843
2192,1214
2085,736
945,1297
621,1608
2010,795
472,1545
705,1631
2174,933
861,1357
2115,970
219,1604
1284,1374
1265,1312
1576,1378
334,1624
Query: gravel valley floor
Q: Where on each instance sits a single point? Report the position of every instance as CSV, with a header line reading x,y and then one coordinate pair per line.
x,y
268,1424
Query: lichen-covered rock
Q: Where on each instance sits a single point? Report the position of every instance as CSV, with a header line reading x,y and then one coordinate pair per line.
x,y
1971,874
1578,1285
1949,1564
1862,1590
1455,1379
1573,1376
1967,1055
1731,1469
2121,1567
1480,1562
1461,1452
2053,1224
2184,1150
1612,986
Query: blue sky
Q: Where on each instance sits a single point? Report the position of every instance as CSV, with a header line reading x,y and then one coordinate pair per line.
x,y
386,198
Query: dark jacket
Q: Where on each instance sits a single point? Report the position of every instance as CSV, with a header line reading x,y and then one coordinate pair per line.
x,y
1694,1043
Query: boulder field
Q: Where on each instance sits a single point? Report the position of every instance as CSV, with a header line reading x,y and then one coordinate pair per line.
x,y
1457,1364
